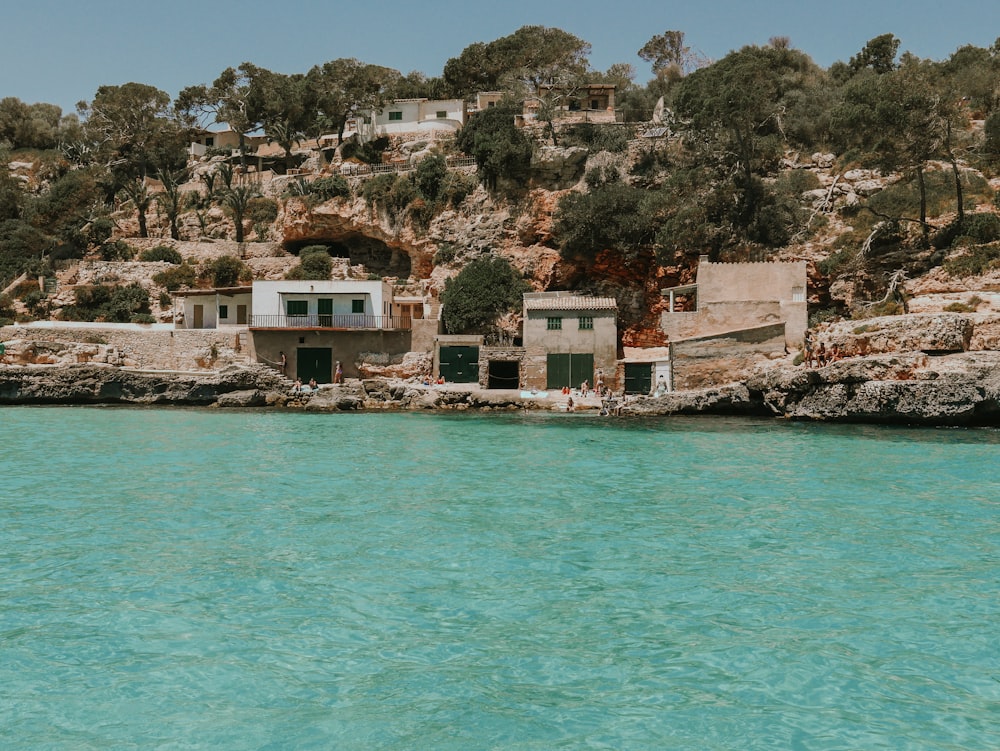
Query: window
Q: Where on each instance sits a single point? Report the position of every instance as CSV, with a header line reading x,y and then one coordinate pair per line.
x,y
491,104
798,294
594,104
442,114
223,312
297,307
395,116
357,306
553,323
586,322
210,141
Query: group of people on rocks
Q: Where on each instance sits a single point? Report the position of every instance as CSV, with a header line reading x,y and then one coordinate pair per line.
x,y
819,356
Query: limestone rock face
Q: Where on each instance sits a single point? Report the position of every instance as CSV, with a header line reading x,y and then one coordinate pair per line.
x,y
557,168
338,220
731,399
959,389
918,332
105,384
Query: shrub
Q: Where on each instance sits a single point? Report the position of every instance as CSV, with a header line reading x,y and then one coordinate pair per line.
x,y
117,250
485,289
143,318
974,261
314,263
261,210
613,138
430,176
165,300
183,275
325,188
457,187
376,189
163,253
445,253
108,303
225,271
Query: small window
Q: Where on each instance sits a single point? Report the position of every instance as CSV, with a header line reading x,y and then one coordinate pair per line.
x,y
594,104
491,104
297,307
553,323
395,116
586,322
223,312
357,306
442,114
798,294
210,141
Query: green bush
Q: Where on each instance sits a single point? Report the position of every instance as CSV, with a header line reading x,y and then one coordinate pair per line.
x,y
325,188
101,302
377,188
226,271
314,263
484,290
445,253
457,187
598,137
162,253
183,275
118,250
429,176
974,261
261,210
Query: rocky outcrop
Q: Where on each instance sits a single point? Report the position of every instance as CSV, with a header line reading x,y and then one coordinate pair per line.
x,y
959,389
921,332
106,384
731,399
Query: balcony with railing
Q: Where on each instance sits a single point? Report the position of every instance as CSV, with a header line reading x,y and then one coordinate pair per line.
x,y
337,322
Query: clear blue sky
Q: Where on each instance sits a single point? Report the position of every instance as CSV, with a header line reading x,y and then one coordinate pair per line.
x,y
60,51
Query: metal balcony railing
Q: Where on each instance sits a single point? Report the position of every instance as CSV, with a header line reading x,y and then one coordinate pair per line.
x,y
342,321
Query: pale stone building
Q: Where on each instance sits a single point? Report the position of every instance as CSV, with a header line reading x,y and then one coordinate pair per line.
x,y
568,338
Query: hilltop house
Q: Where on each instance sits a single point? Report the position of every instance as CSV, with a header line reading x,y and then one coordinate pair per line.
x,y
407,116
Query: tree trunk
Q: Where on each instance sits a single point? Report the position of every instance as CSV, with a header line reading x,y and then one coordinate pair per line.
x,y
959,193
143,232
175,233
923,206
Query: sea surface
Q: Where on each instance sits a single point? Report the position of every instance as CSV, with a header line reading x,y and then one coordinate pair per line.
x,y
199,579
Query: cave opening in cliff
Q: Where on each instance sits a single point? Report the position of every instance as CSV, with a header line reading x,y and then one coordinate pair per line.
x,y
374,255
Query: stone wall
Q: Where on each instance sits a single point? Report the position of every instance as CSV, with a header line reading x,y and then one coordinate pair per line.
x,y
351,348
509,354
129,345
724,358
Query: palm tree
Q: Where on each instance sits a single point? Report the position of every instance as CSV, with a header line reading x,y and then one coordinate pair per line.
x,y
137,192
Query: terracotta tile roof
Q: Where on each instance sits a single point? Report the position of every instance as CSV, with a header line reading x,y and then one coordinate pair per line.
x,y
570,302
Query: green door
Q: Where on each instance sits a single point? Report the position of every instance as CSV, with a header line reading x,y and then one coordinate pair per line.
x,y
569,370
314,362
324,307
460,364
638,377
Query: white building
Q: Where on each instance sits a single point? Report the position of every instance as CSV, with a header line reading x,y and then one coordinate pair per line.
x,y
347,303
212,308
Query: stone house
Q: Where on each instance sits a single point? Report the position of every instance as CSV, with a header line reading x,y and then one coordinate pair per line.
x,y
567,338
728,297
735,317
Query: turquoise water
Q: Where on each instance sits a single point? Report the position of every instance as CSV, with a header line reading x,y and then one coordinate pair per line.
x,y
217,580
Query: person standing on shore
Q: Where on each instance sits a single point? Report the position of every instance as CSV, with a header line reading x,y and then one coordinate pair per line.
x,y
338,374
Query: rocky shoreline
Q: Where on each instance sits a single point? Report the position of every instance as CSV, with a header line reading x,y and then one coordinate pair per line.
x,y
961,389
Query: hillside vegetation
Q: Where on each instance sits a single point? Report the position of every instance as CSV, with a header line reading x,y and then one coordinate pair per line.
x,y
883,167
